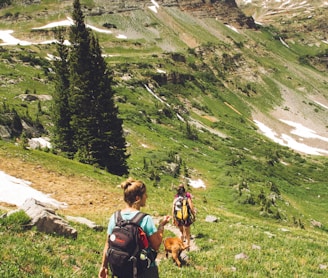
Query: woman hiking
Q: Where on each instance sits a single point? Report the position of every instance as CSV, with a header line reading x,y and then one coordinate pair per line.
x,y
183,212
135,197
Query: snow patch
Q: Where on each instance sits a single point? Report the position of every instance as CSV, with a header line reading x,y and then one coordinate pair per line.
x,y
303,131
154,7
16,191
286,140
8,39
196,183
120,36
40,142
324,106
283,42
68,22
160,71
232,28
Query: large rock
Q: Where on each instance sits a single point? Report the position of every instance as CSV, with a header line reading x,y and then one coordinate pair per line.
x,y
46,220
85,221
211,219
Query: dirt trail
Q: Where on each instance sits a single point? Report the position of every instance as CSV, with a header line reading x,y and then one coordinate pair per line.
x,y
176,231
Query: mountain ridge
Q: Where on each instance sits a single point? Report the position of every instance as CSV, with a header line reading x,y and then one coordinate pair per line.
x,y
223,10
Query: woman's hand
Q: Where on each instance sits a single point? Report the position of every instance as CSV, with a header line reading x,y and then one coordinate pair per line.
x,y
103,272
165,220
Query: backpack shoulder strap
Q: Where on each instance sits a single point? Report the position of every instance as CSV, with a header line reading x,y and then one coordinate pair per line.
x,y
138,217
185,199
118,218
178,198
119,221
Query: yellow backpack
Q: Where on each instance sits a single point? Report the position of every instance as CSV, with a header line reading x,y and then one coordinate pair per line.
x,y
181,208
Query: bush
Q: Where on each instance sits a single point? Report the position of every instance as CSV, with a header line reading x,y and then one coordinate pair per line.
x,y
4,3
16,221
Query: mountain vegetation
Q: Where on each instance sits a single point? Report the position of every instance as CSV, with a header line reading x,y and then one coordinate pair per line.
x,y
86,122
188,80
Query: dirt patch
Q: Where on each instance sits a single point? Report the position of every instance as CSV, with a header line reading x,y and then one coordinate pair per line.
x,y
82,194
176,232
211,118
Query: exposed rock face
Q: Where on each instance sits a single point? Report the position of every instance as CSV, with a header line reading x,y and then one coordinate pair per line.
x,y
123,5
5,132
225,10
46,220
11,125
85,221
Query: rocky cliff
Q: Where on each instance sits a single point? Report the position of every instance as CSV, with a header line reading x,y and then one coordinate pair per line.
x,y
225,10
123,5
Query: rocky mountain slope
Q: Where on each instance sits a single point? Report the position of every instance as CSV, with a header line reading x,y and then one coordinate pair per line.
x,y
282,58
291,17
197,86
223,10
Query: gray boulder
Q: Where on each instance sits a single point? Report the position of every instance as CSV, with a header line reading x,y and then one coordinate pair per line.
x,y
211,218
85,221
46,220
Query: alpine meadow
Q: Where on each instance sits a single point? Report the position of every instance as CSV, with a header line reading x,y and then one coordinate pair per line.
x,y
228,97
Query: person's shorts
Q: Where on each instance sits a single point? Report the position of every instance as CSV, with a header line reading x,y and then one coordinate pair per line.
x,y
185,223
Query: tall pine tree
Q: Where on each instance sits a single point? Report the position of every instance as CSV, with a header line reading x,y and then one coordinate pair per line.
x,y
108,145
81,92
62,133
97,133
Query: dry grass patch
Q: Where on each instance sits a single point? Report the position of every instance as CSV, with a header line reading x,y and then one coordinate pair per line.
x,y
84,195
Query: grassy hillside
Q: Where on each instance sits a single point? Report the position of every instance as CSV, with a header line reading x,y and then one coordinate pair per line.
x,y
274,248
218,80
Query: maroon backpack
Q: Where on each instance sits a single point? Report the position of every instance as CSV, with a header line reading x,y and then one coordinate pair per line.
x,y
128,244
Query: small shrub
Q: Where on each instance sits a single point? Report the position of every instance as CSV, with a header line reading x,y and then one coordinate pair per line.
x,y
8,14
15,221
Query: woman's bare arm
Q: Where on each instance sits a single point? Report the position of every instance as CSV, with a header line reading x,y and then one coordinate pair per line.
x,y
155,240
103,272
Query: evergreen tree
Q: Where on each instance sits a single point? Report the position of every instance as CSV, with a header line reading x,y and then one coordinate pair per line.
x,y
81,92
108,144
62,132
96,131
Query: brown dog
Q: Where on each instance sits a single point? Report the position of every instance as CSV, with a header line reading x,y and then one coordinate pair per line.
x,y
175,246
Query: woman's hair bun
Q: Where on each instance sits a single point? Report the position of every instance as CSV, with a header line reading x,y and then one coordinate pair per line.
x,y
127,183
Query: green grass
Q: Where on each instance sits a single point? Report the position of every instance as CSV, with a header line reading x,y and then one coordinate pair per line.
x,y
33,254
272,250
55,163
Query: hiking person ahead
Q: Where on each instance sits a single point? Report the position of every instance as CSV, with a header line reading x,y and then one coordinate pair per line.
x,y
183,212
135,197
